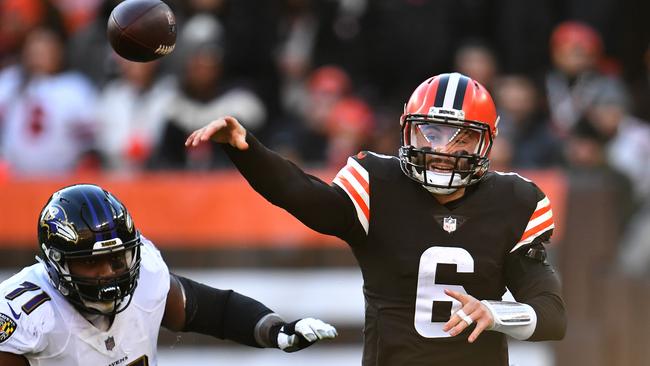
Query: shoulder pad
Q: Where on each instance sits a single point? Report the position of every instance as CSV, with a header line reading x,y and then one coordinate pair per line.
x,y
153,284
533,203
523,188
378,165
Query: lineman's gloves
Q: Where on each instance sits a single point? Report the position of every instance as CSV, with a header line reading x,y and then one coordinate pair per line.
x,y
302,333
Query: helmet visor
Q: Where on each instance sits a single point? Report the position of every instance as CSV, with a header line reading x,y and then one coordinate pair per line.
x,y
446,139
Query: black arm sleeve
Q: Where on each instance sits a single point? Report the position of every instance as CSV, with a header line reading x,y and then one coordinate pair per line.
x,y
534,282
224,314
322,207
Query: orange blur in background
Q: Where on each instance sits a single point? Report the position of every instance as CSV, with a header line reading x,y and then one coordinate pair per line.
x,y
198,210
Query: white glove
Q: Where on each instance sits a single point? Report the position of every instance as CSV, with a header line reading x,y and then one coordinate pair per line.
x,y
303,333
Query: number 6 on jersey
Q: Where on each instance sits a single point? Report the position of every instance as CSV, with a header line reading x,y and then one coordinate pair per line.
x,y
429,292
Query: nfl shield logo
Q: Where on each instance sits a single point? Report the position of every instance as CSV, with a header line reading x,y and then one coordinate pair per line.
x,y
110,343
449,224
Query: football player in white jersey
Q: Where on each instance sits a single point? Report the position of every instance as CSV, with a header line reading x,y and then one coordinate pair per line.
x,y
101,291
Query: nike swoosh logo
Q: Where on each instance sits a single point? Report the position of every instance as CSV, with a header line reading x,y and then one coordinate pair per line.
x,y
17,316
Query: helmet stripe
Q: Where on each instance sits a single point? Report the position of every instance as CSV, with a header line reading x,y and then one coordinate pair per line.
x,y
450,93
92,213
107,214
460,93
442,88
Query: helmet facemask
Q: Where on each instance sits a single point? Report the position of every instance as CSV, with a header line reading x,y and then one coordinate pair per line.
x,y
91,294
444,154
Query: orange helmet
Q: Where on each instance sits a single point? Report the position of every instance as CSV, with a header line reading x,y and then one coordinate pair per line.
x,y
448,126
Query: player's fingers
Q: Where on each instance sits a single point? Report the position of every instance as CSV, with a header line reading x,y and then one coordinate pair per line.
x,y
451,323
314,329
304,328
212,128
191,138
481,325
460,320
458,328
462,298
324,330
472,305
454,321
188,140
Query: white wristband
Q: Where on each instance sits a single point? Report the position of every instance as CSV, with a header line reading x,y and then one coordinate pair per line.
x,y
512,318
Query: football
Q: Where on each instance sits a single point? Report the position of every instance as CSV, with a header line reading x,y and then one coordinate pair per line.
x,y
142,30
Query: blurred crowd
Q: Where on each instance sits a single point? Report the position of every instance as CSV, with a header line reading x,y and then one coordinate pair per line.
x,y
318,80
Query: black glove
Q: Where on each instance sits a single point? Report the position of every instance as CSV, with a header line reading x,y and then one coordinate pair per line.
x,y
301,333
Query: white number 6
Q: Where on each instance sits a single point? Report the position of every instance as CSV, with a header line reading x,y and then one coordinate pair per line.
x,y
430,291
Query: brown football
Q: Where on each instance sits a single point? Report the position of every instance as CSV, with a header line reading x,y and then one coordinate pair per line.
x,y
142,30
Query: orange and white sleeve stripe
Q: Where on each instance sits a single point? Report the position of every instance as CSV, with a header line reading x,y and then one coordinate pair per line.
x,y
541,221
353,179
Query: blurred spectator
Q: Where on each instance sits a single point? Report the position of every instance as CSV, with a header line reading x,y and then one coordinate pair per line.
x,y
312,34
200,96
628,149
628,138
297,30
89,50
202,23
586,157
576,49
131,114
477,60
524,126
303,132
77,14
326,86
18,18
584,149
349,129
47,112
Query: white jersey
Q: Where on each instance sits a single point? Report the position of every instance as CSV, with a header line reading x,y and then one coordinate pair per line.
x,y
37,322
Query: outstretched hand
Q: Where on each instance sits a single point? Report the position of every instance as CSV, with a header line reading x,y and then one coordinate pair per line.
x,y
471,311
226,130
302,333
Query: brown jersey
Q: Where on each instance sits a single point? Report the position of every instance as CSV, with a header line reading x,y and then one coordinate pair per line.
x,y
410,248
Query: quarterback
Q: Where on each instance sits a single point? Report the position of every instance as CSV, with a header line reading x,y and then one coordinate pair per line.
x,y
100,292
437,235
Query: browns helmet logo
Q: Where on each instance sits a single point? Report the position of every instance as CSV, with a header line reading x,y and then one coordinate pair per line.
x,y
7,327
55,221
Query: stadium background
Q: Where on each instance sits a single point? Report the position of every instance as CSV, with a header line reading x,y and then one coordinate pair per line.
x,y
318,80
